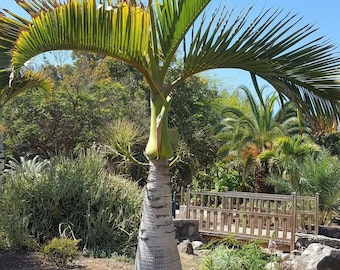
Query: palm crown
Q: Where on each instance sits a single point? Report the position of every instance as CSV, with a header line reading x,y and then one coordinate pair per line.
x,y
148,38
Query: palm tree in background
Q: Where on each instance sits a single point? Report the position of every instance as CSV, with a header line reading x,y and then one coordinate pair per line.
x,y
257,128
249,134
285,159
246,135
148,36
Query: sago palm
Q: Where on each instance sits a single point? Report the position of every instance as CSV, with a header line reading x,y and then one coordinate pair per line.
x,y
148,36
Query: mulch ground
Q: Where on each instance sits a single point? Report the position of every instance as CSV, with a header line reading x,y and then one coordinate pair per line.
x,y
22,260
34,261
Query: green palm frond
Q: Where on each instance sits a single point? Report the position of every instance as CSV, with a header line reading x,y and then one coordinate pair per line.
x,y
296,146
254,106
262,113
26,80
9,31
234,111
305,73
173,19
311,100
121,31
12,84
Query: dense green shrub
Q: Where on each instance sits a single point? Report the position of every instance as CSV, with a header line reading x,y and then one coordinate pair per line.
x,y
330,141
321,173
102,210
247,257
61,251
225,178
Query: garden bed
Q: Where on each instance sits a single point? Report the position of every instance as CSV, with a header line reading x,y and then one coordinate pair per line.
x,y
34,261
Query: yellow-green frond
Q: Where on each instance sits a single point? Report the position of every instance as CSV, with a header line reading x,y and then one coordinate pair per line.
x,y
173,20
272,46
121,31
23,81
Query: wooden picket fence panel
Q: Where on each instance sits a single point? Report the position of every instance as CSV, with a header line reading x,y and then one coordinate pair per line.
x,y
252,215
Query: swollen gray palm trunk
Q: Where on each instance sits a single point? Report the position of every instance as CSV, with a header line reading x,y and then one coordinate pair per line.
x,y
157,248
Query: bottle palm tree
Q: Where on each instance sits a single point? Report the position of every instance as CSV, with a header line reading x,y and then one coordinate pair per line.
x,y
148,37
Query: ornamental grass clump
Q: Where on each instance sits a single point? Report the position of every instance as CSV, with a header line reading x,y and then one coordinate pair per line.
x,y
104,209
231,254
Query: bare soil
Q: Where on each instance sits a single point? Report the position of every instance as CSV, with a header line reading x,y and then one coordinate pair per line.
x,y
34,261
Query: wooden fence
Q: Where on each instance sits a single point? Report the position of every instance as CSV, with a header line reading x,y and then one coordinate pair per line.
x,y
252,215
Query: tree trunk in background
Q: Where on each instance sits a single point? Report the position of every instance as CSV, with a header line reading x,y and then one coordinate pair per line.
x,y
157,245
2,160
260,185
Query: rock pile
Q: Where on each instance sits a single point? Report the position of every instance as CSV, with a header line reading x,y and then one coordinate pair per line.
x,y
314,252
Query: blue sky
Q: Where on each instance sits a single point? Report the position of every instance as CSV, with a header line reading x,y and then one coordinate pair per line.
x,y
324,14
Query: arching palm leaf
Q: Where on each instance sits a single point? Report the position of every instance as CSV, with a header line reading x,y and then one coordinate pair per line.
x,y
121,31
173,19
305,73
23,81
13,84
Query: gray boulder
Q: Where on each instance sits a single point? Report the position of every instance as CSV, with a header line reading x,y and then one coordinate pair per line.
x,y
185,247
197,244
319,257
303,240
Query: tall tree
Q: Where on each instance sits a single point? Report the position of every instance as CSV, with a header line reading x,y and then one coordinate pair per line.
x,y
86,98
192,122
148,37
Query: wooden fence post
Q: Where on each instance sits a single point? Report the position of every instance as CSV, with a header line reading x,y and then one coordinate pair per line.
x,y
187,214
174,204
294,206
182,195
316,213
